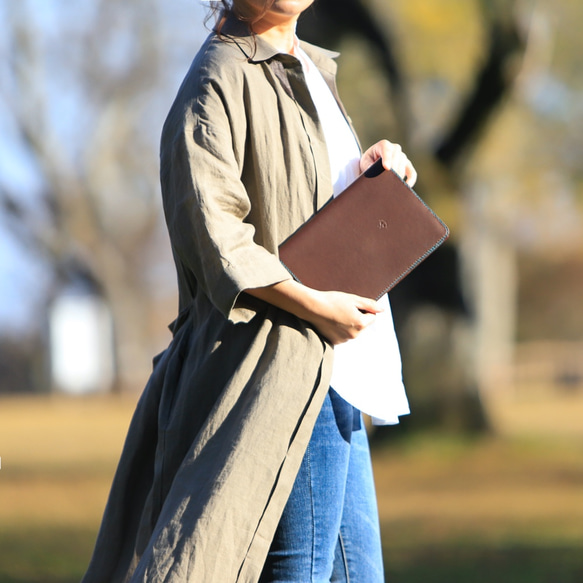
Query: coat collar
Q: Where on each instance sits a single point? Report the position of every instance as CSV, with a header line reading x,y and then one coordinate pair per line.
x,y
258,50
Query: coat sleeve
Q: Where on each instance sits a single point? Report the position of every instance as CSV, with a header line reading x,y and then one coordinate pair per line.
x,y
205,201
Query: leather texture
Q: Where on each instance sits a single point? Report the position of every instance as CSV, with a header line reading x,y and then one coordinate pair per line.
x,y
365,240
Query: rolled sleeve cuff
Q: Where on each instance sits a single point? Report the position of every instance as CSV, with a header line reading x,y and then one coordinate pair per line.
x,y
264,270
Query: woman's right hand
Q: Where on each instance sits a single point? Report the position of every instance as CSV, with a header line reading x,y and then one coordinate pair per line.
x,y
338,316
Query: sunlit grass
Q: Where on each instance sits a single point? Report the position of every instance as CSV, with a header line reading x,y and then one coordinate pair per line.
x,y
58,459
504,509
487,491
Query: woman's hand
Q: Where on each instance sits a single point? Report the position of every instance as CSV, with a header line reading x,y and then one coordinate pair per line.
x,y
337,316
393,158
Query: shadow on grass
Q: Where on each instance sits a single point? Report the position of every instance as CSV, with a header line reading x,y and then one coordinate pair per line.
x,y
56,555
61,556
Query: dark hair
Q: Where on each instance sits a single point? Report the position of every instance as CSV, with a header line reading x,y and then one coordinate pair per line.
x,y
243,10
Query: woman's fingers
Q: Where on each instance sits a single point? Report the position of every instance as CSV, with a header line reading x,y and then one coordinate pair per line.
x,y
393,159
410,174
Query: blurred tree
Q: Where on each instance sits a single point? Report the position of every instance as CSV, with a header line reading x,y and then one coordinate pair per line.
x,y
87,85
431,316
79,81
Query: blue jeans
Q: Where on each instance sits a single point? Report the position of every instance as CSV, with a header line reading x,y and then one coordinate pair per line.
x,y
329,530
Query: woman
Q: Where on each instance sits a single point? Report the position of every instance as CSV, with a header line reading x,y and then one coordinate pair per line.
x,y
241,464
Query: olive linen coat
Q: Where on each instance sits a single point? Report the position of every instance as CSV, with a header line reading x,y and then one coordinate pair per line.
x,y
221,428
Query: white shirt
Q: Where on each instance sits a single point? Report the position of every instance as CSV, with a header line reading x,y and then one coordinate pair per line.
x,y
367,370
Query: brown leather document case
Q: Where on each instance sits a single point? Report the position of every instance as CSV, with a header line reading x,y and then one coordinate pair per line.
x,y
365,240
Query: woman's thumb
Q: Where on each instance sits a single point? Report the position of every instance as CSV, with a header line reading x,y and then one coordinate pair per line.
x,y
368,305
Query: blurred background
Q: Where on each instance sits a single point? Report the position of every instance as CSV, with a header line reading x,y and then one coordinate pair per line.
x,y
484,481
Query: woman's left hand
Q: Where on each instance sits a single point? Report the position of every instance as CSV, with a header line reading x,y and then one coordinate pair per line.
x,y
393,159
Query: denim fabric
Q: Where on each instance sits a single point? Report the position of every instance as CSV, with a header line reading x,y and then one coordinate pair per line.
x,y
329,530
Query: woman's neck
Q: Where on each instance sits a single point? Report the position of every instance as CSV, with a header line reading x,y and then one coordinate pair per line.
x,y
281,36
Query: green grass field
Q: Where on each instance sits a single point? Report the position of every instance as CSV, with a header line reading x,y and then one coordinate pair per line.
x,y
505,509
